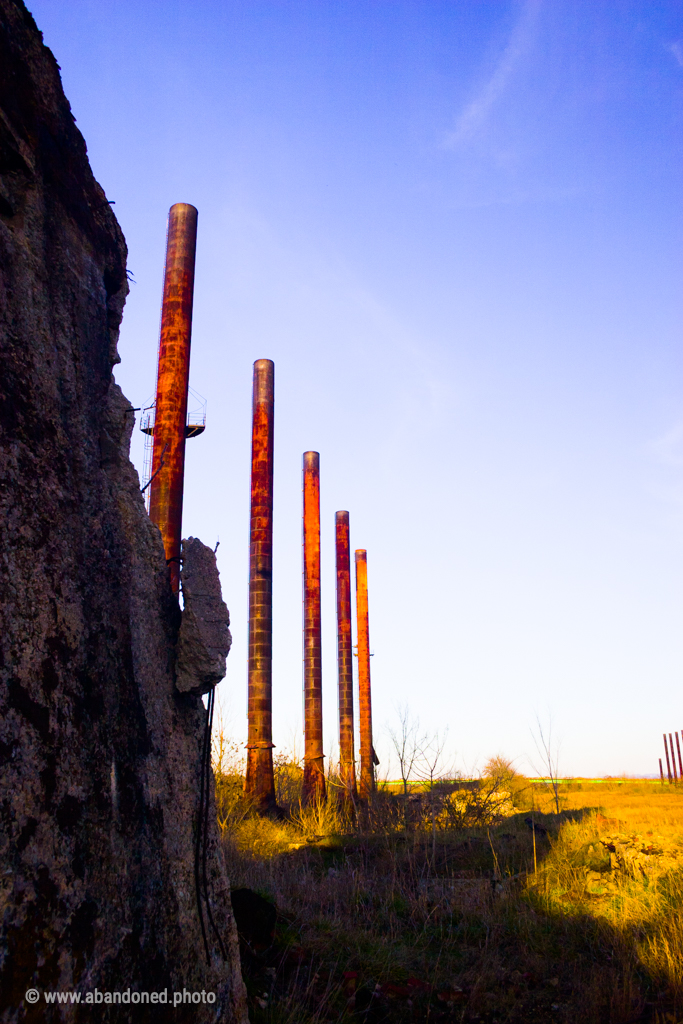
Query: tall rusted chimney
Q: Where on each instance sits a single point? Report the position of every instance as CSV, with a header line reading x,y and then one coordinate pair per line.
x,y
168,459
668,763
345,656
366,785
314,768
259,782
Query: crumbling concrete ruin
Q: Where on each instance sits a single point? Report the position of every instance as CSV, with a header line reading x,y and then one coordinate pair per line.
x,y
204,639
101,754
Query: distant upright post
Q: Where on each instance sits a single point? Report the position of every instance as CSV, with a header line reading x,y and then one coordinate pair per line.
x,y
673,758
668,764
168,453
367,755
680,762
661,772
259,783
345,656
314,768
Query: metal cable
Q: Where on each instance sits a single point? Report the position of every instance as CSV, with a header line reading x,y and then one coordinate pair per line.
x,y
198,843
201,847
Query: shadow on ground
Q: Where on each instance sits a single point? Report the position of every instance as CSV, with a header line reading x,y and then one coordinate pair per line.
x,y
400,928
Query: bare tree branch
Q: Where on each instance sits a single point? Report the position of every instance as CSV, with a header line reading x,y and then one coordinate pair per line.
x,y
407,743
549,755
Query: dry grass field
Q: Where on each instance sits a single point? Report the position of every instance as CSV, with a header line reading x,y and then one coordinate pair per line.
x,y
641,804
434,908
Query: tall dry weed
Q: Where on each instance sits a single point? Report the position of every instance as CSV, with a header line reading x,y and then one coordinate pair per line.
x,y
661,948
320,818
444,893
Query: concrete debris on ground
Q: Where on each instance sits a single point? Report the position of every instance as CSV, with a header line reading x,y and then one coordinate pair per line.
x,y
633,856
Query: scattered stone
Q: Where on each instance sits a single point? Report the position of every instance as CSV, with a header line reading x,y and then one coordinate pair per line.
x,y
599,883
635,856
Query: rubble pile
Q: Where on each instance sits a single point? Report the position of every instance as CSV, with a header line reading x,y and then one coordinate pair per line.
x,y
637,856
633,856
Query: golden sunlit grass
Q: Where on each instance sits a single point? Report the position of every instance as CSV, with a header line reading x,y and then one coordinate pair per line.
x,y
639,804
413,912
645,910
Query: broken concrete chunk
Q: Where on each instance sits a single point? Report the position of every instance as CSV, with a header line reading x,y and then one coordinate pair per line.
x,y
204,639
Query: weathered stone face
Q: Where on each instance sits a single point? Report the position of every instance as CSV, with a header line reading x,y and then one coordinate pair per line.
x,y
204,639
99,783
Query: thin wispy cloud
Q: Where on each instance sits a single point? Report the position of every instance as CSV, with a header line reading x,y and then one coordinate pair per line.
x,y
677,50
518,197
476,113
667,450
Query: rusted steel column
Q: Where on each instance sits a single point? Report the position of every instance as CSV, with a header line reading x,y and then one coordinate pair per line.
x,y
168,458
259,783
680,762
366,784
668,763
673,758
345,656
314,768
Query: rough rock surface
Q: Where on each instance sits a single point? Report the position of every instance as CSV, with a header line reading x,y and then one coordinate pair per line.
x,y
204,639
100,755
633,855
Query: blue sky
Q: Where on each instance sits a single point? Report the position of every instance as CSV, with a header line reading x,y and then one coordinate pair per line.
x,y
456,228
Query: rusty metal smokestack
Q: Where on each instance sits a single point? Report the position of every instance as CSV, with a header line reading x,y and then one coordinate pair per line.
x,y
367,754
259,782
314,769
168,459
345,656
668,763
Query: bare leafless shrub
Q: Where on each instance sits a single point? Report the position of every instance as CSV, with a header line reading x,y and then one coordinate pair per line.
x,y
374,904
548,750
408,742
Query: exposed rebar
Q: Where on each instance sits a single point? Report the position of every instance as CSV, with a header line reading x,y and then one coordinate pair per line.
x,y
206,787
